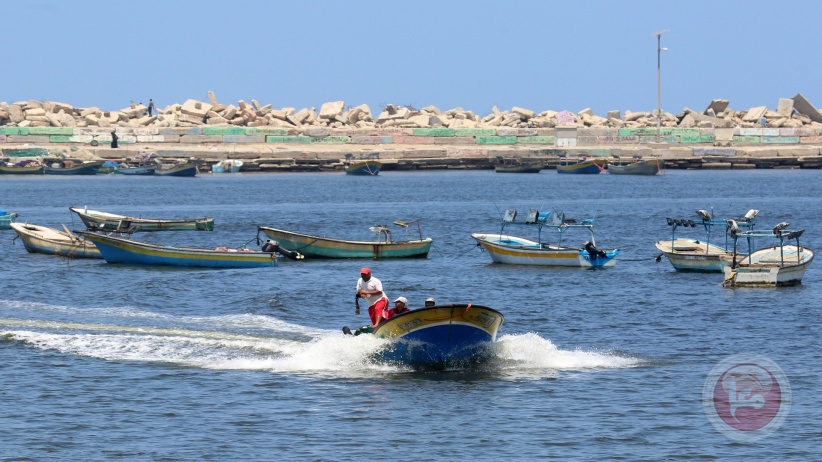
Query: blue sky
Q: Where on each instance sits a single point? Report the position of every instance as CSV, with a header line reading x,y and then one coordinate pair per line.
x,y
471,54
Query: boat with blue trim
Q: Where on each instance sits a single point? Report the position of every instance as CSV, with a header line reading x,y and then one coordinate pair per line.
x,y
509,249
783,264
701,255
328,247
6,219
440,336
187,169
128,251
587,166
369,166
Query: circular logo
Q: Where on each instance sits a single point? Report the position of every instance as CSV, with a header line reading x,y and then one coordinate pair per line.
x,y
746,397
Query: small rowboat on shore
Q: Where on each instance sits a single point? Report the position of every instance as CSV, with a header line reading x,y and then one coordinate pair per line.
x,y
103,221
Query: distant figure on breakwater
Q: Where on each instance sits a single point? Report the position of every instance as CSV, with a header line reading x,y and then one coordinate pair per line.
x,y
114,139
150,106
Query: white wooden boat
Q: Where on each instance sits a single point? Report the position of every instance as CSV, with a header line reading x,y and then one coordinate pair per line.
x,y
49,241
701,255
774,266
227,166
103,221
508,249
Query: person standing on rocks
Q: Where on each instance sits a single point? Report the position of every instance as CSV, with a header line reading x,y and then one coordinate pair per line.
x,y
150,106
114,139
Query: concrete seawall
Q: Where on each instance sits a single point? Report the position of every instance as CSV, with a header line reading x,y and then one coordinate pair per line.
x,y
278,149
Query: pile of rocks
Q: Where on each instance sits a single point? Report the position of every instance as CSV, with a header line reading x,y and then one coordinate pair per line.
x,y
796,112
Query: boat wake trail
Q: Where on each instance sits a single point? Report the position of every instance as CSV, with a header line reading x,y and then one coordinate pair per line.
x,y
529,355
256,342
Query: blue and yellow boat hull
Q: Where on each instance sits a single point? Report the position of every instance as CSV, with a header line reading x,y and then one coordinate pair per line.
x,y
441,336
118,250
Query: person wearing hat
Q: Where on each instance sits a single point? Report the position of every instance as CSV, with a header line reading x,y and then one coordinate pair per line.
x,y
400,307
370,288
430,302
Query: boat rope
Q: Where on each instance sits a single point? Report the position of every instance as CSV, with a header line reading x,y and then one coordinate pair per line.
x,y
308,244
469,250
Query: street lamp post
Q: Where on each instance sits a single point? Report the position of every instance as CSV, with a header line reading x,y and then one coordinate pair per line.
x,y
659,51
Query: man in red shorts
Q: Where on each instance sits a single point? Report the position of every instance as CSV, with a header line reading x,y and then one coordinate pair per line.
x,y
370,288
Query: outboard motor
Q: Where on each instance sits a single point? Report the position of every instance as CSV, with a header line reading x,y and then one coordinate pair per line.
x,y
593,252
270,246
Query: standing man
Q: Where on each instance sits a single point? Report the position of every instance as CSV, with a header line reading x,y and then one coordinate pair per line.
x,y
114,139
370,288
150,106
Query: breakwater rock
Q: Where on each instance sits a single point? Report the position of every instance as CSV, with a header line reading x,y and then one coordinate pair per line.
x,y
266,138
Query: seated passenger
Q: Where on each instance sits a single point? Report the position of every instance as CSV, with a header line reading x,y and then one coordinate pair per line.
x,y
400,307
430,302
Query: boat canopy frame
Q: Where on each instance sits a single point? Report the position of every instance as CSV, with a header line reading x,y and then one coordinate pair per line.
x,y
708,221
778,232
553,220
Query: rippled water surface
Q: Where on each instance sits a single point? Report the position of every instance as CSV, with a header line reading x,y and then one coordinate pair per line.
x,y
110,362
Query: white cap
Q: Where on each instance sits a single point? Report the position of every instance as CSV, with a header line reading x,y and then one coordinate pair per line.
x,y
401,299
430,299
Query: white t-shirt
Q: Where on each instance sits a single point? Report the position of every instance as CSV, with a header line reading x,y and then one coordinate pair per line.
x,y
372,284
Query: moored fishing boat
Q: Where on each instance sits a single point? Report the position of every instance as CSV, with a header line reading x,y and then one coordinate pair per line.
x,y
782,264
589,166
508,249
701,255
647,167
227,166
72,168
440,336
369,166
127,251
137,170
187,169
517,165
21,168
97,220
50,241
6,219
141,164
327,247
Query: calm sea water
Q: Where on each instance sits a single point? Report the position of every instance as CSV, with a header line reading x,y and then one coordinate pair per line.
x,y
112,362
